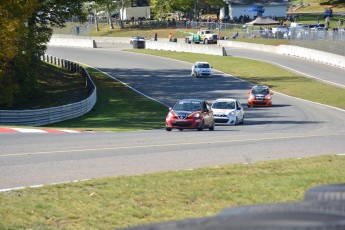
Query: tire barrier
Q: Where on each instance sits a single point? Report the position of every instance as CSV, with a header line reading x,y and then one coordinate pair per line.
x,y
333,192
322,209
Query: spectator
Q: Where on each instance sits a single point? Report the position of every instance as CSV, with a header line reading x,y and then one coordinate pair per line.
x,y
170,37
340,24
235,35
327,21
155,37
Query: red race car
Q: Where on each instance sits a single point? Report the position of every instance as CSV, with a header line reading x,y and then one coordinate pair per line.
x,y
259,95
190,114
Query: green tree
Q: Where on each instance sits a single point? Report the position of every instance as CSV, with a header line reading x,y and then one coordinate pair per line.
x,y
104,5
26,27
332,2
13,30
161,7
123,4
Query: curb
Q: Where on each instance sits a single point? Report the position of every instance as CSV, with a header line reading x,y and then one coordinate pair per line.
x,y
27,130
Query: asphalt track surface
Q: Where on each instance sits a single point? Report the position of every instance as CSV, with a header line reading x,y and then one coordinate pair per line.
x,y
291,128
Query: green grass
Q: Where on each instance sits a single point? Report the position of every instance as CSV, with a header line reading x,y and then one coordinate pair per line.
x,y
56,87
118,108
311,6
257,72
118,202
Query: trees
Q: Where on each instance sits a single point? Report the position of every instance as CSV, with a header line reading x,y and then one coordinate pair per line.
x,y
123,4
25,28
108,6
161,7
13,32
331,2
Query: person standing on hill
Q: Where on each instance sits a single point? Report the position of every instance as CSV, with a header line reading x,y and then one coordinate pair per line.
x,y
327,21
340,24
155,37
170,37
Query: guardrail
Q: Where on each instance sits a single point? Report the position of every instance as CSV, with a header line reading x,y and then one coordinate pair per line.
x,y
38,117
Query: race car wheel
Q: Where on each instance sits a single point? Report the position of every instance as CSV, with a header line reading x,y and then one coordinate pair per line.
x,y
242,121
211,128
168,129
201,128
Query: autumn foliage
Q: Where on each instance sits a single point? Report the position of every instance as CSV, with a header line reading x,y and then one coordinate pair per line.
x,y
25,28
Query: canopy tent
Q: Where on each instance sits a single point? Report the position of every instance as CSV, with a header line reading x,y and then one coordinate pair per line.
x,y
255,9
263,21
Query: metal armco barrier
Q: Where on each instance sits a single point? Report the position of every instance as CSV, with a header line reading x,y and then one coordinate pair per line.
x,y
39,117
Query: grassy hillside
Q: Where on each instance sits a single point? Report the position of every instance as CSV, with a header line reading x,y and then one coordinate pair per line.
x,y
314,6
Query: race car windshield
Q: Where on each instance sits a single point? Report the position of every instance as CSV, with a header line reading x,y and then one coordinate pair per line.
x,y
204,66
263,91
188,106
224,105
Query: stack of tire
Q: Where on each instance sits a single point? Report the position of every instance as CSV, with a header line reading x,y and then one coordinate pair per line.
x,y
323,208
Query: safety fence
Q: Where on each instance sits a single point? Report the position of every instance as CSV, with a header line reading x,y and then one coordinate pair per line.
x,y
38,117
331,40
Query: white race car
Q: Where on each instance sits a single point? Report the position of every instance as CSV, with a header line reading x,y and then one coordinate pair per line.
x,y
227,111
202,69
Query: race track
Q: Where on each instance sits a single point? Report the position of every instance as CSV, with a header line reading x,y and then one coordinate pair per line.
x,y
292,128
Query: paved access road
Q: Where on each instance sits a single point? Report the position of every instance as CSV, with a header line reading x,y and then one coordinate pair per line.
x,y
322,72
290,129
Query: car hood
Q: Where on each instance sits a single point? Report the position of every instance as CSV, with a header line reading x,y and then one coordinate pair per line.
x,y
182,113
222,111
259,96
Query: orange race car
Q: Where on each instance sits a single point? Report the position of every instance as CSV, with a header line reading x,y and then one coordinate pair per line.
x,y
259,95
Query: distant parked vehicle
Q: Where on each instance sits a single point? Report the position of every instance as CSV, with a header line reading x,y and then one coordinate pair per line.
x,y
319,33
279,31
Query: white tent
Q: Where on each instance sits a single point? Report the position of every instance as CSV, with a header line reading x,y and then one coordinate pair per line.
x,y
263,21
